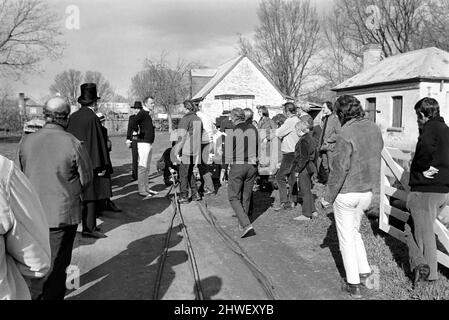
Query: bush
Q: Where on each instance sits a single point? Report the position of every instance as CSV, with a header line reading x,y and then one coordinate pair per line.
x,y
10,120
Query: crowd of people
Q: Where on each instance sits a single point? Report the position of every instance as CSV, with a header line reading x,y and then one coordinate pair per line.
x,y
62,177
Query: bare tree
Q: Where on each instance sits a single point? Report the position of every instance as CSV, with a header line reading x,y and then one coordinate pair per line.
x,y
286,43
169,85
67,84
104,88
397,26
29,32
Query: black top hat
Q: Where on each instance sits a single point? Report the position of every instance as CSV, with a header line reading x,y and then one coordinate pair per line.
x,y
137,105
88,94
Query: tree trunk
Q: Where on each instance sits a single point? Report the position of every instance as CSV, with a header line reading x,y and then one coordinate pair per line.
x,y
170,123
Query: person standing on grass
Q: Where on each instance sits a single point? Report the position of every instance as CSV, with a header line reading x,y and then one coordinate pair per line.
x,y
287,133
354,175
86,127
143,124
429,186
304,168
241,156
59,168
131,138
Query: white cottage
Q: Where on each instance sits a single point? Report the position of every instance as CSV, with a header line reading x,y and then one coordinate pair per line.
x,y
389,89
240,82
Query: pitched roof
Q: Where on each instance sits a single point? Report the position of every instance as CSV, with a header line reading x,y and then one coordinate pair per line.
x,y
429,63
223,71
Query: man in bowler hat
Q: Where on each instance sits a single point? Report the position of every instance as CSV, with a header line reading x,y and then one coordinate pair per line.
x,y
131,137
85,126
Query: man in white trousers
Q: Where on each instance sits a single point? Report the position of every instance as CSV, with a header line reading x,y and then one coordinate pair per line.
x,y
354,175
145,139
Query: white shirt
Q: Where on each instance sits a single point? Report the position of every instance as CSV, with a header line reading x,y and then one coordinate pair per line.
x,y
287,133
208,127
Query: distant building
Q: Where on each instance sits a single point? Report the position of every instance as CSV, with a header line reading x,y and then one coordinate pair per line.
x,y
389,89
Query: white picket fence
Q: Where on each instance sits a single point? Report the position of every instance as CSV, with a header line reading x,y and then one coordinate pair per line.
x,y
390,168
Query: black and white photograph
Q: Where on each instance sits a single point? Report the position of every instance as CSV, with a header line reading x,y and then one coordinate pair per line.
x,y
238,152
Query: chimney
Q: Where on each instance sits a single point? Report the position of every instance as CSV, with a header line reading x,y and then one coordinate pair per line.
x,y
21,103
372,55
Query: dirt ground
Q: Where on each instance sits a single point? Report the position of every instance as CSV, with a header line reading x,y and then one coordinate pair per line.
x,y
298,263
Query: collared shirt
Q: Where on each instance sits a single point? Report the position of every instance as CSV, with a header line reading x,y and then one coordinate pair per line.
x,y
287,133
59,167
24,235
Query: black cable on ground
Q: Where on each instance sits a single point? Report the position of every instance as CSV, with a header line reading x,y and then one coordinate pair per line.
x,y
265,283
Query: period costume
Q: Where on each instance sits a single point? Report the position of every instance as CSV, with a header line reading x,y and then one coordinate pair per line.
x,y
86,127
131,138
143,124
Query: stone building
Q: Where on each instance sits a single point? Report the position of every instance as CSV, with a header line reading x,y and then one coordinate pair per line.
x,y
240,82
389,89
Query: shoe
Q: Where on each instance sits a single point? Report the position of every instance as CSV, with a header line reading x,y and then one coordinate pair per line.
x,y
283,206
364,277
207,192
152,192
420,273
302,218
248,232
113,207
183,200
196,197
353,290
144,194
94,234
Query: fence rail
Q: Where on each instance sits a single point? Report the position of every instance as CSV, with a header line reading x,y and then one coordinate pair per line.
x,y
394,184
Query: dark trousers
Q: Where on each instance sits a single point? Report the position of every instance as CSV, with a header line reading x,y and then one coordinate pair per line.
x,y
285,172
52,286
135,158
205,169
187,178
240,190
89,215
305,184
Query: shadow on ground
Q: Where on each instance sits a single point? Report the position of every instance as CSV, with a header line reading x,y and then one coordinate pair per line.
x,y
132,273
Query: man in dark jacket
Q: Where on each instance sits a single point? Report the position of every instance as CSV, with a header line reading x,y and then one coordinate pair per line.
x,y
59,168
429,186
241,155
86,127
131,138
189,147
143,124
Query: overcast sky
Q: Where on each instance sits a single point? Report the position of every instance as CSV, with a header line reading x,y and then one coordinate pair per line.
x,y
115,36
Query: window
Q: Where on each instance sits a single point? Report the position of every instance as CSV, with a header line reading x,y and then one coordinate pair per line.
x,y
397,112
370,109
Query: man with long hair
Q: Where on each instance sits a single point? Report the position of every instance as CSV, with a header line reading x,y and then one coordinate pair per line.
x,y
354,175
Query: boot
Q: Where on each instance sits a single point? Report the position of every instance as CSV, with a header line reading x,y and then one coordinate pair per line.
x,y
142,181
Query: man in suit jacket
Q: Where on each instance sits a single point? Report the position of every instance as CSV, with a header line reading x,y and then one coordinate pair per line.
x,y
131,137
85,126
58,166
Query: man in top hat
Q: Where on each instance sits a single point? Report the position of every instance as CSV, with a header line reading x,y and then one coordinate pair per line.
x,y
131,137
85,126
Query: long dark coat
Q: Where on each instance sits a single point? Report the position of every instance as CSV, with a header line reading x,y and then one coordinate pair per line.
x,y
85,126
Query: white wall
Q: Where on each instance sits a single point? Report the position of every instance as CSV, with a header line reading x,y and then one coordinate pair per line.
x,y
244,79
384,102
